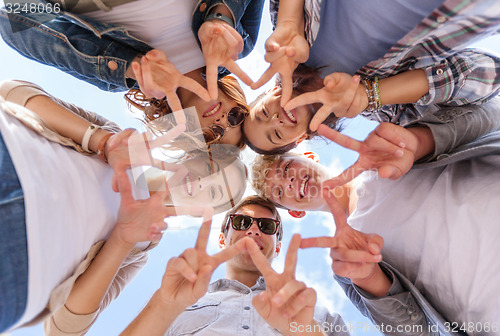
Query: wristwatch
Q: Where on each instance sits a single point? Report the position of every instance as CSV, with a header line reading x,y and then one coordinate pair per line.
x,y
219,16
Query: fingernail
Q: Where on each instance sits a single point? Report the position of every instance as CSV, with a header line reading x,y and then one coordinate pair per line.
x,y
402,144
399,153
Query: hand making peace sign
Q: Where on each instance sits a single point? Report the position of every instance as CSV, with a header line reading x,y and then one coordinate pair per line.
x,y
285,299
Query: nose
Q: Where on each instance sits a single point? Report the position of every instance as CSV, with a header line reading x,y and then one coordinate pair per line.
x,y
276,119
221,120
253,230
290,184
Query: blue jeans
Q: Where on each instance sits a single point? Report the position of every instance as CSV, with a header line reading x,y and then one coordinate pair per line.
x,y
13,244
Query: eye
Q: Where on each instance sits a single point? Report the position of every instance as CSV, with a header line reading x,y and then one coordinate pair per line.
x,y
212,193
287,166
280,193
277,134
265,113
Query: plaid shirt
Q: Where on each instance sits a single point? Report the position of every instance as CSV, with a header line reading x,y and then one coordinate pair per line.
x,y
457,76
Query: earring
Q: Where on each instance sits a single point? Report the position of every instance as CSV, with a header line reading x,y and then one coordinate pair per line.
x,y
297,213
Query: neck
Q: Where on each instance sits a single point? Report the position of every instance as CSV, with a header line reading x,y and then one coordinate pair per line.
x,y
246,277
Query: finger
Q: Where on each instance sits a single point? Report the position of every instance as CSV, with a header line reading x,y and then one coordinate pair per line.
x,y
375,243
234,42
237,71
325,242
390,171
229,252
304,300
173,101
262,304
346,176
195,87
212,73
276,54
354,256
167,137
303,99
339,214
287,292
136,67
377,143
124,186
190,255
393,133
291,256
319,117
266,76
286,87
339,138
201,285
147,77
203,233
179,265
259,259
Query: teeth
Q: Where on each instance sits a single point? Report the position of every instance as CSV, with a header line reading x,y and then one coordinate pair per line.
x,y
302,190
211,112
290,115
189,186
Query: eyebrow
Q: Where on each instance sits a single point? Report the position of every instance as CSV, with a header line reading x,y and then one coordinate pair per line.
x,y
221,192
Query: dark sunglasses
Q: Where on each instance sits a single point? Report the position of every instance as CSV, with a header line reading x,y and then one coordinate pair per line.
x,y
243,222
235,118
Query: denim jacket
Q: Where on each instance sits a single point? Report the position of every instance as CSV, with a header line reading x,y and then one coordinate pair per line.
x,y
100,53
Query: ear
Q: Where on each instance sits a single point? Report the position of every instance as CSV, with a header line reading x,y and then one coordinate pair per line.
x,y
302,138
278,248
312,155
222,241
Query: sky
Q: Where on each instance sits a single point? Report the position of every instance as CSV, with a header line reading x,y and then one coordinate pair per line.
x,y
313,265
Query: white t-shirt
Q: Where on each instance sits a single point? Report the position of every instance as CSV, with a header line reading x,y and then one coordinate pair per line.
x,y
164,25
69,207
441,229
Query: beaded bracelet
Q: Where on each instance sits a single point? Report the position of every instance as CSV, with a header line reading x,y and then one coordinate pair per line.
x,y
373,93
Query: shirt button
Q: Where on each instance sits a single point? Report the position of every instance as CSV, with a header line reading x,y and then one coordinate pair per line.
x,y
439,71
203,6
414,317
245,327
246,308
112,65
410,310
441,19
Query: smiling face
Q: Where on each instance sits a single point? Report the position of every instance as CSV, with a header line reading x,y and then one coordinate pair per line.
x,y
269,127
268,244
295,183
209,183
213,113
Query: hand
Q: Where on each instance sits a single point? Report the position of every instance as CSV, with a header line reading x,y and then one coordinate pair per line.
x,y
158,77
221,45
285,299
286,48
130,148
342,95
139,220
390,149
354,254
187,276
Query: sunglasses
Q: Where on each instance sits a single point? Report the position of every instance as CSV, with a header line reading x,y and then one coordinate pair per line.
x,y
268,226
235,118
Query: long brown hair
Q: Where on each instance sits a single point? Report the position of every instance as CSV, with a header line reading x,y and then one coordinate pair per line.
x,y
156,108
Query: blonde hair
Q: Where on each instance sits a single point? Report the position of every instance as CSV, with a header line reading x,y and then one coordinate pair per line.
x,y
260,167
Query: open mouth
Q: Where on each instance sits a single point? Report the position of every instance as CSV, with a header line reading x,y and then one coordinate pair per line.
x,y
188,185
214,109
303,186
289,115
